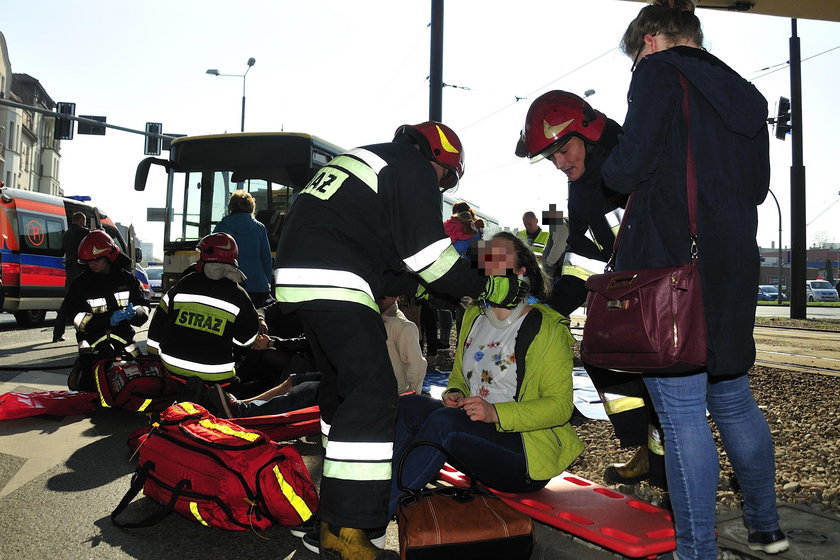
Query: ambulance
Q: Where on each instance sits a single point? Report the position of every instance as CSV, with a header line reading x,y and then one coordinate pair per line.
x,y
32,226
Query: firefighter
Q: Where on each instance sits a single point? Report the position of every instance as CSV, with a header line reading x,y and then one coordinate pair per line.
x,y
532,234
566,130
369,211
203,318
104,301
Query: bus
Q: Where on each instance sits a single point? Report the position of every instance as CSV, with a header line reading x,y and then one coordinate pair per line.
x,y
203,171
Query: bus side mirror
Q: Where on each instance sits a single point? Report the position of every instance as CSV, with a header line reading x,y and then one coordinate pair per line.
x,y
142,173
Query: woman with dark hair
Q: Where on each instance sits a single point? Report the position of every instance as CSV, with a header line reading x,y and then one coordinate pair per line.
x,y
505,413
688,106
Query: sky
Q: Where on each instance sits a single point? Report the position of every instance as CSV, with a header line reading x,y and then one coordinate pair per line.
x,y
352,72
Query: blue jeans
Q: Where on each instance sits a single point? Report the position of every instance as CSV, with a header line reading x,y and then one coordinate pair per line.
x,y
691,460
497,459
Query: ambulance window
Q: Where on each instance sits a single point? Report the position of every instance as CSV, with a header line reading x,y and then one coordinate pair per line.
x,y
40,234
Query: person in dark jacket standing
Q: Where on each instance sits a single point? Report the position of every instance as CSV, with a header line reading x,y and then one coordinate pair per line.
x,y
564,129
252,240
729,141
369,211
70,242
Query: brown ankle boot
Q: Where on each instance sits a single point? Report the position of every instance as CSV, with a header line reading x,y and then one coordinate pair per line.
x,y
345,543
634,470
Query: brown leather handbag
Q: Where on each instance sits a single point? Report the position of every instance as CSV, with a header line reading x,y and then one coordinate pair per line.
x,y
459,523
650,321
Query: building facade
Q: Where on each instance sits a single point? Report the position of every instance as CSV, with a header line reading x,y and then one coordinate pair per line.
x,y
29,152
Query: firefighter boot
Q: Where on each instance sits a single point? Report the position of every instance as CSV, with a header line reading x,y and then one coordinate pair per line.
x,y
345,543
634,470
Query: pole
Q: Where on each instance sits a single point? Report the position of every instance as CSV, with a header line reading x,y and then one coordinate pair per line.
x,y
436,63
779,258
798,225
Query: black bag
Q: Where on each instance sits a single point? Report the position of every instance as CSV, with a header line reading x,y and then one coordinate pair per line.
x,y
459,523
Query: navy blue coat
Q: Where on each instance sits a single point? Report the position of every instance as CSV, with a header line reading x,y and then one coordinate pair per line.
x,y
730,142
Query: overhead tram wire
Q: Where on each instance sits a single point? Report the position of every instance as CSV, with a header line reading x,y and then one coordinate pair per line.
x,y
783,65
542,87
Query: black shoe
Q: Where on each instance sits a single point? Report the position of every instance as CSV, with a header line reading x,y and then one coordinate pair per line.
x,y
219,402
312,539
58,338
307,526
769,542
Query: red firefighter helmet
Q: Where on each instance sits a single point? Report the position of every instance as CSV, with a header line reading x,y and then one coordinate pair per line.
x,y
441,145
217,247
554,118
98,244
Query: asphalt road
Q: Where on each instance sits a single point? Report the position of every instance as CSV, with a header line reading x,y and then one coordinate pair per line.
x,y
60,478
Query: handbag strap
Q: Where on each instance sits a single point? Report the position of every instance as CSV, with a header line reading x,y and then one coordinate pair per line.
x,y
690,183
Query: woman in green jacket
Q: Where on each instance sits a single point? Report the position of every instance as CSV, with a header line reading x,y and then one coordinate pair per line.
x,y
505,413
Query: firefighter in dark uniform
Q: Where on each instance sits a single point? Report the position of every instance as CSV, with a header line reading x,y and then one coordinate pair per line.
x,y
104,301
566,130
369,211
203,318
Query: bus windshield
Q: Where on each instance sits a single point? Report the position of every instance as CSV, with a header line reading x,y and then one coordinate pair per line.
x,y
203,171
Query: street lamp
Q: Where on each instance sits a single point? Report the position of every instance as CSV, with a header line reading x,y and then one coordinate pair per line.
x,y
588,92
779,297
214,72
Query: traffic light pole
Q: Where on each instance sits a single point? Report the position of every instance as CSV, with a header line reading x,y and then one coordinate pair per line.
x,y
798,252
436,63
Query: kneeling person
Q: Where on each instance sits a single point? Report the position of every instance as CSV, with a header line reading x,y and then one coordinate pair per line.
x,y
203,318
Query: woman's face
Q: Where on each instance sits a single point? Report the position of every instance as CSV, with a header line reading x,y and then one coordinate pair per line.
x,y
497,257
570,158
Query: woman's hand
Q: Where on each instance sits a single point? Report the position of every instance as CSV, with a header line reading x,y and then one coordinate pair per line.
x,y
479,410
263,342
453,399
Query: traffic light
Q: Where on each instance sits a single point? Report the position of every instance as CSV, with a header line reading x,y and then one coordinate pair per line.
x,y
783,118
64,126
153,139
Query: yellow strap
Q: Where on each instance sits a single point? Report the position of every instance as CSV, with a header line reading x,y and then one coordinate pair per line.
x,y
145,405
99,388
188,407
227,430
289,493
194,511
623,404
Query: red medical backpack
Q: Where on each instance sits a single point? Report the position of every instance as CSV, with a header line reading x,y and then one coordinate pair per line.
x,y
219,474
140,384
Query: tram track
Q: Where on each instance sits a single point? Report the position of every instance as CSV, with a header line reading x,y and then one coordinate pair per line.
x,y
787,348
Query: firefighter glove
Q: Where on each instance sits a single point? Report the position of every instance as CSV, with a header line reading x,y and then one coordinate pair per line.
x,y
121,315
504,291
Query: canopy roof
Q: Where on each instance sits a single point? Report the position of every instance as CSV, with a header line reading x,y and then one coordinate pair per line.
x,y
828,10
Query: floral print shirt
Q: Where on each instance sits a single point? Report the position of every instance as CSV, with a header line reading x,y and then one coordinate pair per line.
x,y
489,361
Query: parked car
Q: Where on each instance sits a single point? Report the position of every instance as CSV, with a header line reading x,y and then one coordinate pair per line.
x,y
155,273
767,292
820,290
143,278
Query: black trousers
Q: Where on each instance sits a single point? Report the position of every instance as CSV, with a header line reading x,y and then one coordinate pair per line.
x,y
358,400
